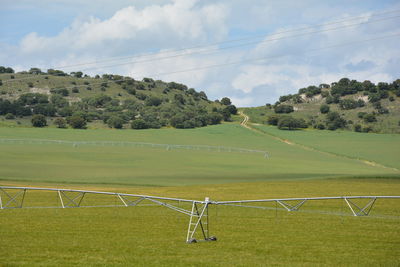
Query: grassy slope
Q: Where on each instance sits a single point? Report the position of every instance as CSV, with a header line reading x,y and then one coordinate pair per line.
x,y
380,148
147,166
249,237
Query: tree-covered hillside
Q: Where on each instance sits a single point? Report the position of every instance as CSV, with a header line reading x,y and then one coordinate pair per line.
x,y
53,97
346,104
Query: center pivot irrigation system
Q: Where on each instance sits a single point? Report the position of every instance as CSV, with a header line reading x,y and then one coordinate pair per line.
x,y
197,210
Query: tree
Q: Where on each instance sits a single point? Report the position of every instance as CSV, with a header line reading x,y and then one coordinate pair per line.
x,y
290,123
214,118
35,71
139,124
226,101
77,74
334,121
77,122
273,120
283,109
115,122
38,120
347,104
324,109
231,109
369,118
357,128
60,123
6,70
153,101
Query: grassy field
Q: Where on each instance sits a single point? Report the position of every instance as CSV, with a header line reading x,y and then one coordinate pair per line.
x,y
149,236
160,167
381,148
246,237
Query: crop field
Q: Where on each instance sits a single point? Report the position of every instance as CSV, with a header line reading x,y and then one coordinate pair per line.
x,y
380,148
156,235
321,233
99,164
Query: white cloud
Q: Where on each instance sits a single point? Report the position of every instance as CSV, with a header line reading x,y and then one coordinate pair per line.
x,y
159,26
132,30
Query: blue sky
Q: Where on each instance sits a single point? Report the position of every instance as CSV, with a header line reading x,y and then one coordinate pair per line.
x,y
58,33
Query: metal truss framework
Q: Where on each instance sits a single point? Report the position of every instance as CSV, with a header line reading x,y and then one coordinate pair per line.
x,y
14,197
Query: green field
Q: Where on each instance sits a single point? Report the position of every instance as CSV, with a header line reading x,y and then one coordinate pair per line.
x,y
155,235
160,167
308,164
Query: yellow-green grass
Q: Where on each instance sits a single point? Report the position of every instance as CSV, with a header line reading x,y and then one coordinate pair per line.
x,y
147,166
150,236
380,148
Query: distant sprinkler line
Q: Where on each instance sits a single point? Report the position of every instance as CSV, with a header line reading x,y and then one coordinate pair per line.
x,y
250,60
223,48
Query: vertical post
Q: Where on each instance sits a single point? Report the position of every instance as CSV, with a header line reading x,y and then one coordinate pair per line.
x,y
1,203
190,223
23,197
83,195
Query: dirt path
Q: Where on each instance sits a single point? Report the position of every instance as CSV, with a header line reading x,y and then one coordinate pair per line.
x,y
245,123
245,120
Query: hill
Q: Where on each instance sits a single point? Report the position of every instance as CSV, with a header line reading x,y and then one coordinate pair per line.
x,y
58,98
346,104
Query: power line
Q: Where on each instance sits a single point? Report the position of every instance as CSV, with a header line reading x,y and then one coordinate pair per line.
x,y
214,50
278,56
253,59
233,40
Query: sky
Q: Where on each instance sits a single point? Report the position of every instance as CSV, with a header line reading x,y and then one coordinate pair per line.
x,y
251,51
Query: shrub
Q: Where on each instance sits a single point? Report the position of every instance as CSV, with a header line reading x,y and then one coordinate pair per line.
x,y
115,122
77,122
334,121
357,128
348,104
369,118
283,109
273,120
139,124
231,109
9,116
290,123
324,109
38,120
153,101
367,129
60,123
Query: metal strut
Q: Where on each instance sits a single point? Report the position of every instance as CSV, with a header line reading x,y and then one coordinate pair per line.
x,y
357,211
290,207
12,199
